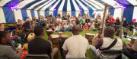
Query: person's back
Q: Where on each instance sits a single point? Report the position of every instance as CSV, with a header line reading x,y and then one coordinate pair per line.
x,y
107,41
114,51
76,46
131,49
110,47
6,52
39,46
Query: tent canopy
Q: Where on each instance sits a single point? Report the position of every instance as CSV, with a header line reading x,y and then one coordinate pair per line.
x,y
11,10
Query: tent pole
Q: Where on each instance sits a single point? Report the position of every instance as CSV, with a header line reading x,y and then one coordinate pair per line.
x,y
104,19
121,25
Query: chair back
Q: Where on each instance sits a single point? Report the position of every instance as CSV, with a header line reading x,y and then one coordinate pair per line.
x,y
37,56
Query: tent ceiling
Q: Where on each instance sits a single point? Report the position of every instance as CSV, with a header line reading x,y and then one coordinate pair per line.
x,y
41,4
134,2
3,2
24,2
34,8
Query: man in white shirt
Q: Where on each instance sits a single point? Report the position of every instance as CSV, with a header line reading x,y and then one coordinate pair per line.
x,y
76,45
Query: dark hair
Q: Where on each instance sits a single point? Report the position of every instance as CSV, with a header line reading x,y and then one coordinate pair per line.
x,y
109,32
38,31
2,34
76,29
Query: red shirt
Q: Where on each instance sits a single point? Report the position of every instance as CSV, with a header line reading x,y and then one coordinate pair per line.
x,y
24,54
110,20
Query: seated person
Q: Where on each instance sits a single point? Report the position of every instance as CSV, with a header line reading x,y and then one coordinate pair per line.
x,y
24,53
6,52
55,46
109,47
131,49
93,52
63,37
76,45
39,45
30,37
89,37
49,32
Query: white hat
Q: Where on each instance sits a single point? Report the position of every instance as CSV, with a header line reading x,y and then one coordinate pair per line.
x,y
54,36
60,32
90,34
49,30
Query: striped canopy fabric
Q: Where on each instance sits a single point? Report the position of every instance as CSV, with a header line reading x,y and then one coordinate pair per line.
x,y
12,10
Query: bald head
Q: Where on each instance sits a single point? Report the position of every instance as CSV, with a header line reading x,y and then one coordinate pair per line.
x,y
76,29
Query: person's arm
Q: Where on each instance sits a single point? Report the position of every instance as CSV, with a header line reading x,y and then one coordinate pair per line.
x,y
99,43
94,50
65,48
50,47
11,54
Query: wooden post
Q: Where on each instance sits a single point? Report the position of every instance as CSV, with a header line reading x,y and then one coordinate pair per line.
x,y
121,25
104,18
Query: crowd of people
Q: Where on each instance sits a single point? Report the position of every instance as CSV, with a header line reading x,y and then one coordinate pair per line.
x,y
29,37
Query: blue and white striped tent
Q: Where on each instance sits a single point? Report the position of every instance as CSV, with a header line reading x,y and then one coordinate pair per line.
x,y
11,10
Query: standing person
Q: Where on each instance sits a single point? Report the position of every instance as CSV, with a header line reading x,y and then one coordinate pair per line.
x,y
109,47
6,52
39,45
76,45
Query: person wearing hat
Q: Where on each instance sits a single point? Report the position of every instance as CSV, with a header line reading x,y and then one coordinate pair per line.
x,y
54,39
134,46
49,32
131,41
55,46
89,36
131,49
92,49
76,45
